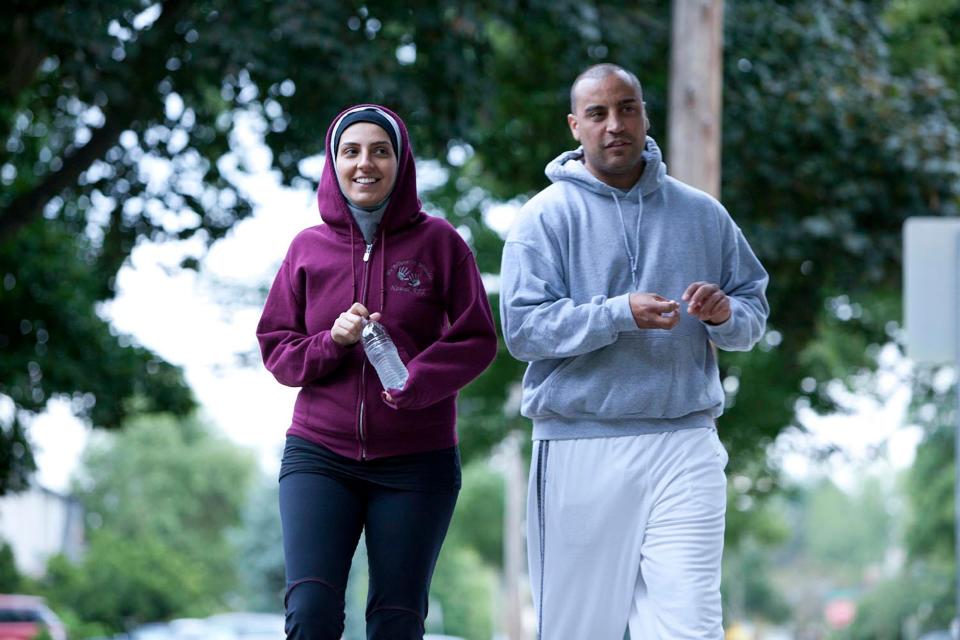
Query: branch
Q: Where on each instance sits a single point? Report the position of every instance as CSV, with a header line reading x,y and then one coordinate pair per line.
x,y
118,114
29,205
24,55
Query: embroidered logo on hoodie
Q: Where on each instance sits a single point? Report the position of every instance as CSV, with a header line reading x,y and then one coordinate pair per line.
x,y
410,276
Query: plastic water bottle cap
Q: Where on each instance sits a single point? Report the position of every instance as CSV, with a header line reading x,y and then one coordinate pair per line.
x,y
372,330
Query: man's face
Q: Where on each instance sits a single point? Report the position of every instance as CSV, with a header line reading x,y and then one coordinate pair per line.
x,y
611,125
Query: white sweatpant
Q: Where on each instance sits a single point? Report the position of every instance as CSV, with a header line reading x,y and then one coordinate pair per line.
x,y
628,530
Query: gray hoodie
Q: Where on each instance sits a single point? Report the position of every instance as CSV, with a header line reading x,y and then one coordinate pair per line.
x,y
576,252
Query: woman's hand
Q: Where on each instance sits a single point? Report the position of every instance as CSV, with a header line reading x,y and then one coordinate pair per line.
x,y
388,399
347,327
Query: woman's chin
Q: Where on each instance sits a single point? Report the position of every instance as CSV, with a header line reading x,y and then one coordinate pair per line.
x,y
366,199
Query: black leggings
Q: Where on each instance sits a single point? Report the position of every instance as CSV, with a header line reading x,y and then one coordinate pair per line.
x,y
322,517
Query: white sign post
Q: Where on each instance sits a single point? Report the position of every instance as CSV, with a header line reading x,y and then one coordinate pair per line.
x,y
931,310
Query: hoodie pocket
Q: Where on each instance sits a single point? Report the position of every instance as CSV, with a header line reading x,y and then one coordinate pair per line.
x,y
642,375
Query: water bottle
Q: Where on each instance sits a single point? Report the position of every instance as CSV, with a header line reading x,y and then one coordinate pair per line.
x,y
382,354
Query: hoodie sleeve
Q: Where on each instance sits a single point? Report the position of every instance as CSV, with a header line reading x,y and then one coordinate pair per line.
x,y
541,321
464,350
745,283
289,353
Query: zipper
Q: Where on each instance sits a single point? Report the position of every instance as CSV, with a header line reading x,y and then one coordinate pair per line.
x,y
361,416
363,376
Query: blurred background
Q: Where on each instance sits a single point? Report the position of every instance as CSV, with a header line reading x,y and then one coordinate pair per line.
x,y
158,157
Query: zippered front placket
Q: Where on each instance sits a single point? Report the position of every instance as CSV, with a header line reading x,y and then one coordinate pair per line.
x,y
361,417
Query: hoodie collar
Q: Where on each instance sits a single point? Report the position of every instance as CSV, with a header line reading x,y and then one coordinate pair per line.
x,y
568,166
404,207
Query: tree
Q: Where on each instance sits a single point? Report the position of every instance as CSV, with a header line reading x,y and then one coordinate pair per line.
x,y
924,35
463,586
478,520
10,578
122,582
258,542
830,141
160,497
922,594
748,593
844,534
826,152
53,342
95,94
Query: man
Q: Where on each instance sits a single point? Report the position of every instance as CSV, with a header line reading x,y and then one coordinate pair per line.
x,y
627,489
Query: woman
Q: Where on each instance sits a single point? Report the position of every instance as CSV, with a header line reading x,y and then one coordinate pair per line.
x,y
358,457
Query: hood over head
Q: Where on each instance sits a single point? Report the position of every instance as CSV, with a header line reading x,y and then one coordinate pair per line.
x,y
404,207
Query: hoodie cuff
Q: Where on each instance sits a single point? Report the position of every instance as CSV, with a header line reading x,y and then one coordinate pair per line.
x,y
727,328
329,344
402,398
620,313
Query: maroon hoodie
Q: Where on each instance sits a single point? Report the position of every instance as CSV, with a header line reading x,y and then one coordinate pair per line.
x,y
422,277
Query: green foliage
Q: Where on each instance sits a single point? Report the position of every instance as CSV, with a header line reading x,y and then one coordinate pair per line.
x,y
839,121
483,414
52,337
478,519
124,581
921,598
752,517
258,544
829,142
930,490
836,534
922,595
160,498
831,137
464,586
848,531
16,456
78,628
93,91
168,477
10,579
748,593
826,151
925,35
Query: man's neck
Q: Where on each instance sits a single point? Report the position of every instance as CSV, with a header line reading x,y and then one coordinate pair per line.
x,y
624,182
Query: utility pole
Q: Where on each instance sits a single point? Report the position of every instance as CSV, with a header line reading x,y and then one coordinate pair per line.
x,y
513,552
696,85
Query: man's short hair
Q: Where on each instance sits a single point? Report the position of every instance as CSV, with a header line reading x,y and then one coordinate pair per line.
x,y
599,72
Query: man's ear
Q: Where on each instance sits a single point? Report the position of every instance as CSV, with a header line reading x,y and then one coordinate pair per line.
x,y
572,123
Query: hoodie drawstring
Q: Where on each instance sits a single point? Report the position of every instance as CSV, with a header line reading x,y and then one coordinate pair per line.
x,y
634,259
383,269
353,269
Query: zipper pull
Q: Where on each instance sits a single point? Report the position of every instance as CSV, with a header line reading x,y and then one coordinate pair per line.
x,y
366,254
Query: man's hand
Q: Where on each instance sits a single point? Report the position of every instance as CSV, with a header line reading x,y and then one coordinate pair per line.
x,y
346,329
651,311
707,302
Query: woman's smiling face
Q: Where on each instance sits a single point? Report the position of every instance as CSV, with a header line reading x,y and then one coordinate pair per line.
x,y
366,164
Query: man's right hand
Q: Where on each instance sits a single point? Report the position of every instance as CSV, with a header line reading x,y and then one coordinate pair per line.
x,y
652,311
